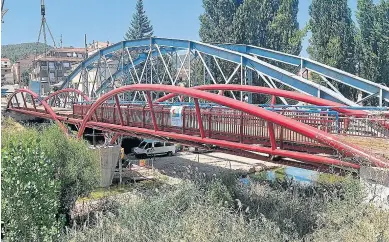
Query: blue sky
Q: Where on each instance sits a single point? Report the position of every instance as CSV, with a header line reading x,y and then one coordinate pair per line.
x,y
108,20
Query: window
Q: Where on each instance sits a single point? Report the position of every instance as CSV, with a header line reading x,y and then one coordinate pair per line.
x,y
143,143
147,146
51,65
158,144
169,144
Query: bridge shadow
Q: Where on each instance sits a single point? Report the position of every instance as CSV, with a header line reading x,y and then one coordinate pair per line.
x,y
263,166
184,166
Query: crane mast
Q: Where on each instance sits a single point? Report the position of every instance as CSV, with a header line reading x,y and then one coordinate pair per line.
x,y
3,11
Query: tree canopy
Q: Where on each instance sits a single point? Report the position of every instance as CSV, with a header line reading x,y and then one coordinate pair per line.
x,y
140,25
333,34
373,22
265,23
17,52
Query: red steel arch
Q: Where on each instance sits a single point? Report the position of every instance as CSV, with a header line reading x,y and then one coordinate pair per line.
x,y
34,96
276,92
287,94
68,91
306,130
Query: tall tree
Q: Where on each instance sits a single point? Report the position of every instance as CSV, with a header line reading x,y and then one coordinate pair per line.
x,y
216,21
140,24
284,29
265,23
252,22
374,40
333,34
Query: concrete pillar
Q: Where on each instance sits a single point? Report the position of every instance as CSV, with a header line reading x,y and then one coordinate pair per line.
x,y
109,156
375,175
376,183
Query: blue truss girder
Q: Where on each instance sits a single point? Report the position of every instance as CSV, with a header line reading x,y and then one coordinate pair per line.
x,y
325,70
126,67
279,74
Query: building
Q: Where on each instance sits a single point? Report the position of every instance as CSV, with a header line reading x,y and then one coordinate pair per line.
x,y
21,66
6,72
97,45
53,67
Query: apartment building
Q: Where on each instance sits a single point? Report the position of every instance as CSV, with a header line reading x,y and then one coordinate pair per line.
x,y
6,72
53,67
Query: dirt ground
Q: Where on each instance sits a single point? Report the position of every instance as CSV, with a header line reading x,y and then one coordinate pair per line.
x,y
185,164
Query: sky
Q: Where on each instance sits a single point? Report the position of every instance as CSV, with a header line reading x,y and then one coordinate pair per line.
x,y
109,20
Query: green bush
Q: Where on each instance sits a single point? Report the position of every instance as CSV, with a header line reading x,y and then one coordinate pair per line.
x,y
77,166
184,213
203,211
30,191
43,173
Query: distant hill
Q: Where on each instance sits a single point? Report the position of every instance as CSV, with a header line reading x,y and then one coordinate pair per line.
x,y
19,51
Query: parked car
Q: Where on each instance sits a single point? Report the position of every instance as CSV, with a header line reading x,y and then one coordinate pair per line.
x,y
152,148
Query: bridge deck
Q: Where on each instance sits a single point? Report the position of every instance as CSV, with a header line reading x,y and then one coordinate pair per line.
x,y
227,125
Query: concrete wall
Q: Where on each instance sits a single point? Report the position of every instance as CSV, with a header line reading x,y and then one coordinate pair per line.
x,y
376,183
109,156
375,175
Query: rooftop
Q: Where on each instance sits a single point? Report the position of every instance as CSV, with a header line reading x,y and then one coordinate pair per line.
x,y
52,58
68,49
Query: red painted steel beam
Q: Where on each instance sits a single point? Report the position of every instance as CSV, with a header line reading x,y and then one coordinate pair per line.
x,y
304,129
272,135
199,120
24,100
120,130
272,91
48,109
273,100
119,110
150,102
231,145
271,127
66,100
17,101
114,138
33,103
67,90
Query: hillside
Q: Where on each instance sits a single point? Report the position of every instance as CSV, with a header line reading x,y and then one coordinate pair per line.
x,y
16,52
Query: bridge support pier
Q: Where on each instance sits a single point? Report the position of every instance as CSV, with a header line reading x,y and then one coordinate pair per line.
x,y
109,156
376,183
376,175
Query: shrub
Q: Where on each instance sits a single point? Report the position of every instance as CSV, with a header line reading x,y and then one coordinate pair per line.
x,y
44,172
29,200
202,211
77,166
187,212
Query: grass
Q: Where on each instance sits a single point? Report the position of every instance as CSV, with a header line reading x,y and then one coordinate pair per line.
x,y
100,193
116,189
220,209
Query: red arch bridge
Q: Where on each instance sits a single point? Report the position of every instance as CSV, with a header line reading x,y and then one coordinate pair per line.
x,y
293,135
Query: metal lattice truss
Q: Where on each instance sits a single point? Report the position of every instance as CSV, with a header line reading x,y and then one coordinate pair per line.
x,y
191,63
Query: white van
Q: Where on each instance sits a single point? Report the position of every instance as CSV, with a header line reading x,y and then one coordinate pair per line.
x,y
152,147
